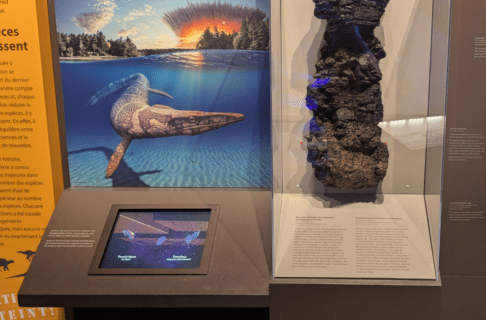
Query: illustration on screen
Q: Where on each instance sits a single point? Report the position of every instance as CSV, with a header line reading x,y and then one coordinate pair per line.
x,y
157,240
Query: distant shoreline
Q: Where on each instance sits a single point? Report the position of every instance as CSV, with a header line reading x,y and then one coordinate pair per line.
x,y
93,58
144,53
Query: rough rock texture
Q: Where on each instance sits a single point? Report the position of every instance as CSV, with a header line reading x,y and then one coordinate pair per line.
x,y
344,142
357,12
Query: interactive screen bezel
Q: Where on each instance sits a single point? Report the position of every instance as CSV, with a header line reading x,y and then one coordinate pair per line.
x,y
110,226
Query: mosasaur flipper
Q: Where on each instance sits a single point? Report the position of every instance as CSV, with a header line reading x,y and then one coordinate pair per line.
x,y
191,237
161,240
129,234
133,118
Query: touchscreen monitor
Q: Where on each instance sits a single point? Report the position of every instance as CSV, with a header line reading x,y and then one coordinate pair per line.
x,y
156,240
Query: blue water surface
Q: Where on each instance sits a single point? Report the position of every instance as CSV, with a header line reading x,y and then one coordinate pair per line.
x,y
238,155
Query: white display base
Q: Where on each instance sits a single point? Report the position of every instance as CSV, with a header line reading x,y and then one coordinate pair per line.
x,y
353,236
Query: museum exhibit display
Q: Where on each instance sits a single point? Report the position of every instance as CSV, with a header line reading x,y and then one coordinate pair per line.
x,y
358,118
164,112
286,156
344,144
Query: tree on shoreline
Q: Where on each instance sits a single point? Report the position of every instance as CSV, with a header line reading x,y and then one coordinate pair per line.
x,y
252,36
86,45
216,40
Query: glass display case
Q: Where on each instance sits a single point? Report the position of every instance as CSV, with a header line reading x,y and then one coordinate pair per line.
x,y
335,215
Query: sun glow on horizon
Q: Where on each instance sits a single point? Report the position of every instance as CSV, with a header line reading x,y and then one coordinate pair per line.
x,y
192,32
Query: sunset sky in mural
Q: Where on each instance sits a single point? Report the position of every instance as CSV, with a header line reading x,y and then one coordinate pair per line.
x,y
191,32
141,20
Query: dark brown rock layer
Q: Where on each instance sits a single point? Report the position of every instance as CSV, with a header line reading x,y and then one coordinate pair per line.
x,y
344,142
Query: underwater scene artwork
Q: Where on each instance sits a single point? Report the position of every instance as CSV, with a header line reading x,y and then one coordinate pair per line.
x,y
166,93
162,240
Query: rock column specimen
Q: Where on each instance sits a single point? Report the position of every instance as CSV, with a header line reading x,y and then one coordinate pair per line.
x,y
344,142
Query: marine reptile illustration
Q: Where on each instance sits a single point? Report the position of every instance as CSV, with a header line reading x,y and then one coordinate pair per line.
x,y
4,263
133,118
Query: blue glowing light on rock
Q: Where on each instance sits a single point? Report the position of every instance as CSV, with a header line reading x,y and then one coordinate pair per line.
x,y
311,103
319,83
313,127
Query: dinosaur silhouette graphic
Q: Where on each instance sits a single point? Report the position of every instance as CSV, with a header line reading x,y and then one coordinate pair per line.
x,y
133,118
4,263
28,253
18,276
